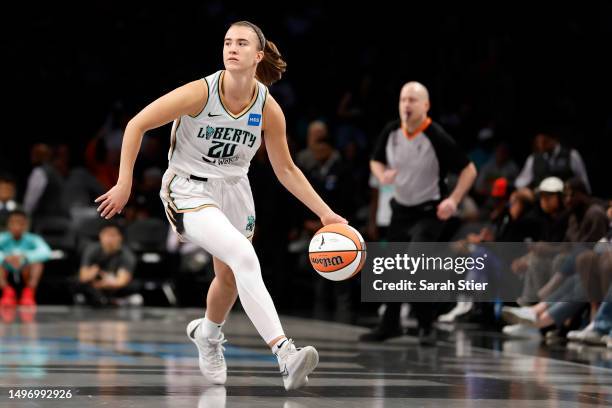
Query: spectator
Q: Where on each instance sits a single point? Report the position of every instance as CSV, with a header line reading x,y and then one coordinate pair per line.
x,y
8,190
146,195
21,260
551,159
306,158
501,165
518,224
44,191
537,266
106,271
588,221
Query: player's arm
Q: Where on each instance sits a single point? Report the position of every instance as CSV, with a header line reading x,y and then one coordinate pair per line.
x,y
290,176
186,100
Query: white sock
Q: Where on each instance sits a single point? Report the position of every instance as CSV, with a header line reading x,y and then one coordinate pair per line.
x,y
278,345
209,329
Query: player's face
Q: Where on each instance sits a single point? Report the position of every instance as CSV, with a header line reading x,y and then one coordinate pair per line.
x,y
241,49
413,105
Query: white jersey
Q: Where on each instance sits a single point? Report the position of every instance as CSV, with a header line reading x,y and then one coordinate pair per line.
x,y
216,143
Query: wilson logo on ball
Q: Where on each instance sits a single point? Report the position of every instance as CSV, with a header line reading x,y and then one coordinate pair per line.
x,y
337,252
325,261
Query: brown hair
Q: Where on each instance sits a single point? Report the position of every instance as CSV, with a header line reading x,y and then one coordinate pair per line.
x,y
272,66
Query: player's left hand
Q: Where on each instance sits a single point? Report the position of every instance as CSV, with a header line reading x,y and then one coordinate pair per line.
x,y
332,218
113,201
446,209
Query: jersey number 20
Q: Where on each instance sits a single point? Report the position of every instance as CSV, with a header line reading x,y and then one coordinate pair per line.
x,y
221,150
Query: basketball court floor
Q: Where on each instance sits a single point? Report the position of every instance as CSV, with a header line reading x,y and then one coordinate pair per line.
x,y
142,358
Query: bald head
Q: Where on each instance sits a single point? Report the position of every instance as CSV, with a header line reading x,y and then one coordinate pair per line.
x,y
417,89
413,105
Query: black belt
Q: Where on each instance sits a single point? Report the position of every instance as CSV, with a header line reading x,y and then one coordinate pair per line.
x,y
197,178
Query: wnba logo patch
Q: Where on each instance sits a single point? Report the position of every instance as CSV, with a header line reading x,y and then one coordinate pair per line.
x,y
254,119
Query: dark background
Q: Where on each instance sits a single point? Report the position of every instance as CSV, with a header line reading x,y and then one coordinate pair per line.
x,y
64,66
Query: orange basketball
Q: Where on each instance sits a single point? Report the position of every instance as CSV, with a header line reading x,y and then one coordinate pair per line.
x,y
337,252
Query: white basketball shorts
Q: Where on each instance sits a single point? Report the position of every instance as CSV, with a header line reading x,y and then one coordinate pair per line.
x,y
232,195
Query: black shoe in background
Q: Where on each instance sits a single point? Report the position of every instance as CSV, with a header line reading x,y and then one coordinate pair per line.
x,y
380,333
428,337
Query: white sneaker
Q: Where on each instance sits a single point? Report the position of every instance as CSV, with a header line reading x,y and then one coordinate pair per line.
x,y
608,340
519,315
521,330
577,335
593,337
460,309
211,361
296,363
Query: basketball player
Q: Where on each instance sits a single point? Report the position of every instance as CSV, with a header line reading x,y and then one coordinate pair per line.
x,y
218,125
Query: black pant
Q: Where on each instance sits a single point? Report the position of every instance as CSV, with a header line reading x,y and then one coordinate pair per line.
x,y
103,297
413,224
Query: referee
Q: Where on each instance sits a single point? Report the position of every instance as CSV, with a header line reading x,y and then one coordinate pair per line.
x,y
415,154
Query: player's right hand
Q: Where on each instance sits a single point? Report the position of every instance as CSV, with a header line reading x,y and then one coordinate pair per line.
x,y
113,201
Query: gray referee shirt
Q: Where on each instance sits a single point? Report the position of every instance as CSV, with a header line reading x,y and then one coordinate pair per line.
x,y
422,162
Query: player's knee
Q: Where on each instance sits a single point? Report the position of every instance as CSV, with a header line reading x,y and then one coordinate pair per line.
x,y
244,261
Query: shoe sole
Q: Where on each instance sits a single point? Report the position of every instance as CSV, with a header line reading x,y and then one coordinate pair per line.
x,y
307,366
512,318
593,342
190,328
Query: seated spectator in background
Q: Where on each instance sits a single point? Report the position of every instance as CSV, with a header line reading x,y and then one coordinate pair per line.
x,y
551,159
330,177
518,224
81,187
536,267
21,260
588,221
497,203
306,159
567,292
8,191
500,165
107,267
45,188
146,194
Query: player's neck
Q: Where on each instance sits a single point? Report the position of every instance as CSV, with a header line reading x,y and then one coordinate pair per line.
x,y
237,87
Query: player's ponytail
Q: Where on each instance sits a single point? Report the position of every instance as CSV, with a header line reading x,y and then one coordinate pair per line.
x,y
272,66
